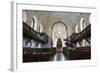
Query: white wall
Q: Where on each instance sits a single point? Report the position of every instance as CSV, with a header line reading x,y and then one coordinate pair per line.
x,y
5,36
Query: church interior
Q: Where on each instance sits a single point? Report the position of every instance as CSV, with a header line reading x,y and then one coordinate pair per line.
x,y
56,36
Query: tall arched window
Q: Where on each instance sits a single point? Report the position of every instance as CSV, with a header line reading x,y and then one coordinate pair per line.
x,y
82,24
76,28
41,28
34,23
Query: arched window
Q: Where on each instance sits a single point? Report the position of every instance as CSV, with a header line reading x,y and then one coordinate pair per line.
x,y
82,24
41,28
34,23
77,44
83,43
76,28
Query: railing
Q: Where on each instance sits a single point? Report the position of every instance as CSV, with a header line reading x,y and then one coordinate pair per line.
x,y
82,35
32,34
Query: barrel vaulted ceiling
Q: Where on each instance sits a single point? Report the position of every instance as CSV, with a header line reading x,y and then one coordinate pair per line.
x,y
50,17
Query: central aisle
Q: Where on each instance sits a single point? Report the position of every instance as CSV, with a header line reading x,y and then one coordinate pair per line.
x,y
59,57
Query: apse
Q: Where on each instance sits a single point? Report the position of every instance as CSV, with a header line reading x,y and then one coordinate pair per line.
x,y
59,31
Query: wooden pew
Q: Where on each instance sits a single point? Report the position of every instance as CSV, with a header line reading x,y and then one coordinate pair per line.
x,y
80,53
36,54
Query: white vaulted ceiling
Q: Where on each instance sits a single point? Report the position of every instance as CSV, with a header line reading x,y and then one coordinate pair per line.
x,y
68,18
48,18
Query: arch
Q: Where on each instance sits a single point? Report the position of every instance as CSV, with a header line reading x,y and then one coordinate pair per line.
x,y
76,28
34,23
83,43
62,23
40,28
77,44
82,24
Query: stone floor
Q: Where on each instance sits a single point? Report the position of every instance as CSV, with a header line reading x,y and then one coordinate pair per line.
x,y
59,56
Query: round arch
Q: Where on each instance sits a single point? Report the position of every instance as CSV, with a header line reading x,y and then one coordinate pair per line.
x,y
82,24
34,23
56,23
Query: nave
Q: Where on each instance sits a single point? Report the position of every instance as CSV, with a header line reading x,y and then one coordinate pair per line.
x,y
56,36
